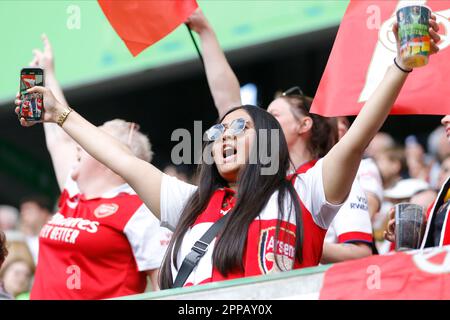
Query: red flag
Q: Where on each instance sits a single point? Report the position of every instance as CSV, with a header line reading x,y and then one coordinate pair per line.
x,y
141,23
363,50
423,275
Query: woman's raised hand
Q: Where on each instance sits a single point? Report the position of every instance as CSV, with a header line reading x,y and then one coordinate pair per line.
x,y
52,108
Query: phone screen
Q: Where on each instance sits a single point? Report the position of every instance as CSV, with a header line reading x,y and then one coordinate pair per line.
x,y
32,103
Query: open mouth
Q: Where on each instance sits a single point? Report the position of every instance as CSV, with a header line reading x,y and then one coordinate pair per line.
x,y
229,153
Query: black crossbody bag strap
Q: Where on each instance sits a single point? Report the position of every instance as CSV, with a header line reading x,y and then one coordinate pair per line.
x,y
198,251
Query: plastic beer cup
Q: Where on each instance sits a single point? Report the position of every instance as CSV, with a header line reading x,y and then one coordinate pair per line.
x,y
409,222
413,26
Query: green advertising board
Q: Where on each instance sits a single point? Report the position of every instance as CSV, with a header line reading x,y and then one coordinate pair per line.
x,y
88,50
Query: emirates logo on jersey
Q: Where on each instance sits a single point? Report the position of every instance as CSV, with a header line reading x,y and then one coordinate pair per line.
x,y
284,248
105,210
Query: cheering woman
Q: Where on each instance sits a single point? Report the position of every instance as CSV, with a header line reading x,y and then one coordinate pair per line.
x,y
272,222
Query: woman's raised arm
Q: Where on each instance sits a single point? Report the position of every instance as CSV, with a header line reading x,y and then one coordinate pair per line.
x,y
341,163
142,176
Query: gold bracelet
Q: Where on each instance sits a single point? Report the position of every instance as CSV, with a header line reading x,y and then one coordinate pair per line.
x,y
63,116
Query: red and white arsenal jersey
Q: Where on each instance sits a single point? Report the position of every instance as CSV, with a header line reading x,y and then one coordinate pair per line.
x,y
259,252
98,248
370,178
352,222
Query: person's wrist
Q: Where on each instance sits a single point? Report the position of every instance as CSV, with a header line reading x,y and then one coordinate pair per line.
x,y
401,66
61,114
205,31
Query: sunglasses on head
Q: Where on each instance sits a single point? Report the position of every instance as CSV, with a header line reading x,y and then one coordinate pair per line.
x,y
236,127
297,92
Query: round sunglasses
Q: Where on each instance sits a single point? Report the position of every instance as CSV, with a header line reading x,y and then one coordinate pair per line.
x,y
236,127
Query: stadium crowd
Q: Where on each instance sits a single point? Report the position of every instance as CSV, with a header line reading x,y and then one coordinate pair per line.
x,y
122,227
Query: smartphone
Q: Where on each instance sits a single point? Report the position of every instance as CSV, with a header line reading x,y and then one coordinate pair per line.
x,y
32,103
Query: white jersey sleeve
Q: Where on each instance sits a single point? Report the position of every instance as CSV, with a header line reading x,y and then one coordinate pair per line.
x,y
352,222
370,178
309,186
174,196
148,240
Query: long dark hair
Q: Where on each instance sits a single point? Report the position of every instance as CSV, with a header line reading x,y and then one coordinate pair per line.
x,y
254,191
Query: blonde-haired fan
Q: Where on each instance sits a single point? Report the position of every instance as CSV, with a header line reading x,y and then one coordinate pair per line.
x,y
103,241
